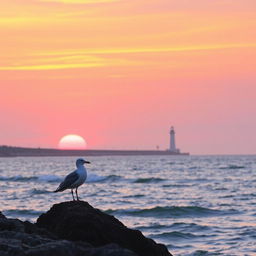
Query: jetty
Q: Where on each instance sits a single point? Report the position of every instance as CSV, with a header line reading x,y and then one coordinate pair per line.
x,y
10,151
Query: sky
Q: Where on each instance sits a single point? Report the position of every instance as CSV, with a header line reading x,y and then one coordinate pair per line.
x,y
120,73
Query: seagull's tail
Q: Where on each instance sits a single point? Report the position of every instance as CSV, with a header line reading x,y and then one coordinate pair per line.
x,y
59,189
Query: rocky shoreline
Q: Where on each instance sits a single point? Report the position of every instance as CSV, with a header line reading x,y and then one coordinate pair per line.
x,y
74,228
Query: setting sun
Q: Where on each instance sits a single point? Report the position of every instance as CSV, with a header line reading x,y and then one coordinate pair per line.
x,y
72,141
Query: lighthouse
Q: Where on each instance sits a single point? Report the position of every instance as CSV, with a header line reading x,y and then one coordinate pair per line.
x,y
172,141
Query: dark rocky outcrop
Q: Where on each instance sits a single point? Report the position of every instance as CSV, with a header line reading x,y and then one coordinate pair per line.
x,y
74,229
2,216
79,221
19,238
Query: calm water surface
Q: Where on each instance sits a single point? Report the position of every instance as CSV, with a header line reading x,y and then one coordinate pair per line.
x,y
195,205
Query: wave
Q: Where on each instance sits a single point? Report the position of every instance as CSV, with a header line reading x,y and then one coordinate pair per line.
x,y
180,227
39,191
112,178
177,185
148,180
189,226
17,178
232,167
25,212
171,212
54,178
176,235
155,226
171,163
92,177
134,196
194,168
49,178
20,178
203,253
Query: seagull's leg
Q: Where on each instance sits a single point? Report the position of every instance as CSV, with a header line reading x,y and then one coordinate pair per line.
x,y
77,195
72,194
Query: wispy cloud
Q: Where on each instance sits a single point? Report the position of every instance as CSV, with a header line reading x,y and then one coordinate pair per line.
x,y
91,58
78,1
38,63
52,66
148,50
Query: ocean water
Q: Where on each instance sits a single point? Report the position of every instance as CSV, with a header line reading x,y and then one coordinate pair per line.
x,y
195,205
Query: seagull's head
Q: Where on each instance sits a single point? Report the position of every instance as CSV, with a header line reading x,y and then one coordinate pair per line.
x,y
81,161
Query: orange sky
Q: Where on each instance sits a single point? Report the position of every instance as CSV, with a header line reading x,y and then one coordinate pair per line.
x,y
120,73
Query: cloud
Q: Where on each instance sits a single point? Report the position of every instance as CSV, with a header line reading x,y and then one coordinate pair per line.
x,y
91,58
50,62
79,1
150,50
52,66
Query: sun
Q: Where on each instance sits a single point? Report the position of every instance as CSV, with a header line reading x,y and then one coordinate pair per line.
x,y
72,141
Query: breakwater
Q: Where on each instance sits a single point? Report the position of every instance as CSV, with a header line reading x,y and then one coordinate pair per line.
x,y
8,151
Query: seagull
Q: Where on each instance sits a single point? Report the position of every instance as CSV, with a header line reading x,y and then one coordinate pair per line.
x,y
75,178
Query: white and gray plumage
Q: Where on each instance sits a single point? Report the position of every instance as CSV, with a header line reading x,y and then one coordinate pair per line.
x,y
75,178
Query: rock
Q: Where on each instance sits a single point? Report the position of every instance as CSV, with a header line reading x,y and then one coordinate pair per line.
x,y
79,221
74,229
19,238
2,216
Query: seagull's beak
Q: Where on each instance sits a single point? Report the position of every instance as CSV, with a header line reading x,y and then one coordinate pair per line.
x,y
87,162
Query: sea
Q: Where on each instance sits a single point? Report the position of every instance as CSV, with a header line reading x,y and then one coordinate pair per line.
x,y
195,205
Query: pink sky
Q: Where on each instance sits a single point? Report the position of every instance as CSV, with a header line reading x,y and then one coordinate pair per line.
x,y
120,73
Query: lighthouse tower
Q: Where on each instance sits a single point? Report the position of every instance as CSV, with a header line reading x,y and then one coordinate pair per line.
x,y
172,141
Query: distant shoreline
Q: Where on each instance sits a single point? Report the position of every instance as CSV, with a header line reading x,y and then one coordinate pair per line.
x,y
10,151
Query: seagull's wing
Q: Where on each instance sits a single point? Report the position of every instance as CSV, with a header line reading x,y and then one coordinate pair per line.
x,y
69,180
